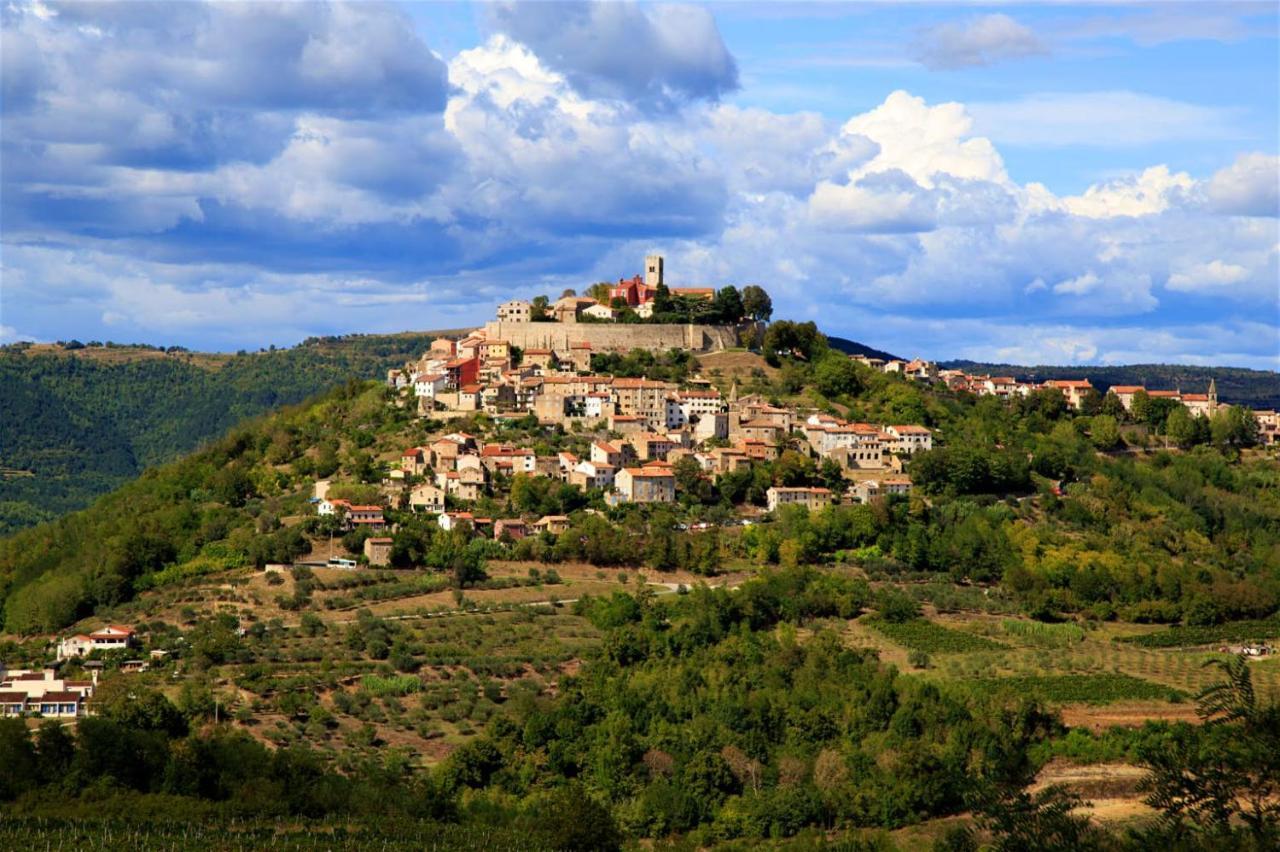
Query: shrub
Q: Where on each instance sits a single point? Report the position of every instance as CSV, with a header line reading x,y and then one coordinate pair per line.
x,y
394,685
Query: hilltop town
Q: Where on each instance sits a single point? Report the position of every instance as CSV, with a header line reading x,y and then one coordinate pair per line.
x,y
637,430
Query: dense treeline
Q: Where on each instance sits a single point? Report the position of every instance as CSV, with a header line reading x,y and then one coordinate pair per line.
x,y
80,427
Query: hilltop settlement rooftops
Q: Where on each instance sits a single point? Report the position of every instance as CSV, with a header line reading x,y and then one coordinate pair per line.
x,y
642,426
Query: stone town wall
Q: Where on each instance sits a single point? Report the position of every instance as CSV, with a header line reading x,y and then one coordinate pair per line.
x,y
606,337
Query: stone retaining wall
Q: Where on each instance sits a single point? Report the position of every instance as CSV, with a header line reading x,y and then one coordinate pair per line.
x,y
608,337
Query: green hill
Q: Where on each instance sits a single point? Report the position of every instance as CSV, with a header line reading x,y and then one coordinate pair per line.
x,y
1071,512
80,422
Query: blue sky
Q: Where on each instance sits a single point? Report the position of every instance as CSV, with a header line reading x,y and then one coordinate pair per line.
x,y
1037,183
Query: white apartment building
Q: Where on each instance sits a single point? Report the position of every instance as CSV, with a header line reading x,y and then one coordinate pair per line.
x,y
910,439
810,498
685,407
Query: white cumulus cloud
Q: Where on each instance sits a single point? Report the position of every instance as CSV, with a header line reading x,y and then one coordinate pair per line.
x,y
183,194
1208,276
1248,187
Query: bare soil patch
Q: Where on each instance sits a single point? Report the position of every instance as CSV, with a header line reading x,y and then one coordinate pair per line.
x,y
1134,715
734,364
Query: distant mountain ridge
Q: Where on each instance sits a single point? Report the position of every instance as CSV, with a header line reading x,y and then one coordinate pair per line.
x,y
1236,385
853,347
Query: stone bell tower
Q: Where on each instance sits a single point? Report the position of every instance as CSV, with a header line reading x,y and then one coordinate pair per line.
x,y
653,270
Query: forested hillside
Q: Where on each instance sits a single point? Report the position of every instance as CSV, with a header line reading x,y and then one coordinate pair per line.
x,y
853,347
81,421
1236,385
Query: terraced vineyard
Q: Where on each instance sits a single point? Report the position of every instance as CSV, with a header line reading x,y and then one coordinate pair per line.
x,y
1056,656
1187,637
1081,688
1039,633
920,634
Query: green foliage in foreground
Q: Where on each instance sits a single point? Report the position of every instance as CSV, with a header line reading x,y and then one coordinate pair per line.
x,y
920,634
704,716
208,834
1079,688
1186,635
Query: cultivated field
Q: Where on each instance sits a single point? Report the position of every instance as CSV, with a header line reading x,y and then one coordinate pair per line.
x,y
1091,672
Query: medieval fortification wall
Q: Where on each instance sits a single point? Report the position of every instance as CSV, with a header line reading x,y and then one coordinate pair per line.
x,y
608,337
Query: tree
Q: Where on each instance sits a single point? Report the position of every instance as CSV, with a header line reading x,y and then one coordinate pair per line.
x,y
691,482
55,749
793,469
600,292
1158,410
1225,773
1180,428
1113,407
457,554
572,820
17,757
568,292
1050,403
728,305
662,300
793,340
1046,821
538,309
832,476
836,375
1140,406
120,700
1234,426
896,606
1104,432
756,303
1091,402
